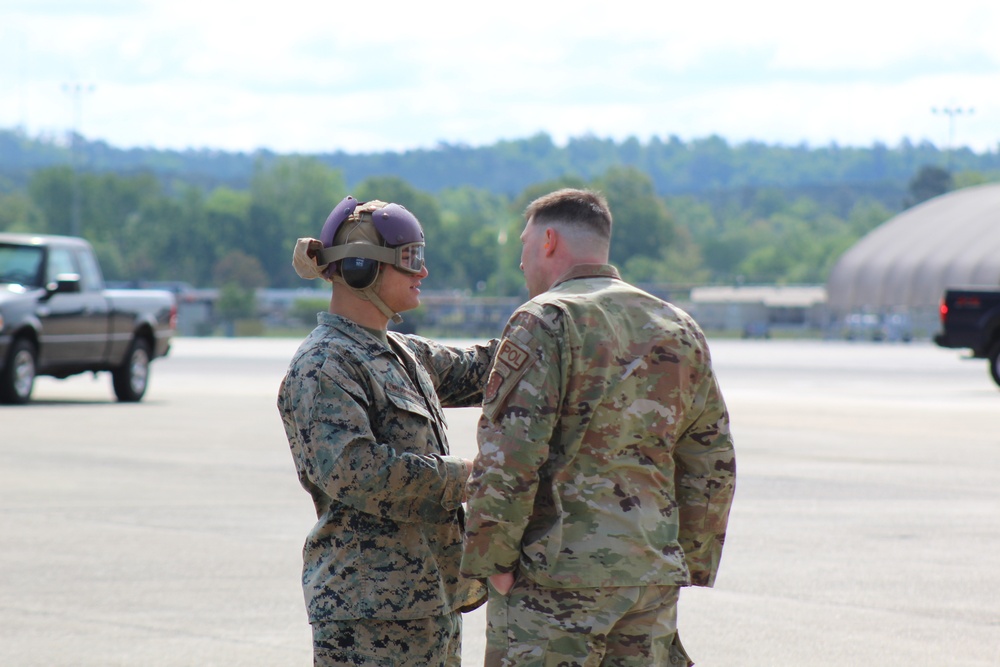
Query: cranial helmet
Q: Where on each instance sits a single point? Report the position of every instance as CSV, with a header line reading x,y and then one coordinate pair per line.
x,y
358,237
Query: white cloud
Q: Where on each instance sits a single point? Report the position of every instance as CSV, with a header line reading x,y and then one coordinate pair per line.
x,y
306,75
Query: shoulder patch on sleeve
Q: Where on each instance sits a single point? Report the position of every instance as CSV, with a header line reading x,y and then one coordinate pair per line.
x,y
511,361
512,354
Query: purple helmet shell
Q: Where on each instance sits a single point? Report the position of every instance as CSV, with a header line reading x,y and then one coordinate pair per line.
x,y
397,225
394,223
338,215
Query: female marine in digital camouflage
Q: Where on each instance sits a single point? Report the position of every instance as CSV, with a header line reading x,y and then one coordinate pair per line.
x,y
362,409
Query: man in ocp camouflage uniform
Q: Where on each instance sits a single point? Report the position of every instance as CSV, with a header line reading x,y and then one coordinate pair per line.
x,y
606,470
362,410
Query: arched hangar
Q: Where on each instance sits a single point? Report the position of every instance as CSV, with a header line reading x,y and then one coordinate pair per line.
x,y
905,264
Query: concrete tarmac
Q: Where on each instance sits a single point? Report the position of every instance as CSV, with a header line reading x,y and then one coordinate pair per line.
x,y
168,533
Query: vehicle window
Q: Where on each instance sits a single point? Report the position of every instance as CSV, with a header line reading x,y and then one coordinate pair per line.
x,y
60,261
20,265
90,272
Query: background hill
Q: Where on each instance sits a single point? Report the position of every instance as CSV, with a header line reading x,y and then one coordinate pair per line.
x,y
698,212
508,167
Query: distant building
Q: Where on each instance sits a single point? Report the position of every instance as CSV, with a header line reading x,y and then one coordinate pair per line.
x,y
755,310
905,265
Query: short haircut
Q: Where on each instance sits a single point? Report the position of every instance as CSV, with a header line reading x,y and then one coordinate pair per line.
x,y
582,210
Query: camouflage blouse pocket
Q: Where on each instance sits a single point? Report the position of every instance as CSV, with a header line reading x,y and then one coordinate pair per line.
x,y
407,400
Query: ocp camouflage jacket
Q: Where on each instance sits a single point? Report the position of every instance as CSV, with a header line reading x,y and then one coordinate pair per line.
x,y
605,457
367,434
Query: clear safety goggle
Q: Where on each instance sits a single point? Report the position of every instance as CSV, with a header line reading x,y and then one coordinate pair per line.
x,y
408,257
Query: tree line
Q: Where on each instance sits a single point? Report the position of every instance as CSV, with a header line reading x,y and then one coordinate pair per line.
x,y
701,167
147,225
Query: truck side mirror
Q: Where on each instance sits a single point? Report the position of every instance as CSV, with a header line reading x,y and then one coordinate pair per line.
x,y
65,283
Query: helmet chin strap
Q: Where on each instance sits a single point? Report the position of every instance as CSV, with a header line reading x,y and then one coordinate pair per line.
x,y
370,293
380,304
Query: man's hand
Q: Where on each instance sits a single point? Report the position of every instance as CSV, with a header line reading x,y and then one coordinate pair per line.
x,y
502,582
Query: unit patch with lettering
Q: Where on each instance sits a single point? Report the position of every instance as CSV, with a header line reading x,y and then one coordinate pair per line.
x,y
511,361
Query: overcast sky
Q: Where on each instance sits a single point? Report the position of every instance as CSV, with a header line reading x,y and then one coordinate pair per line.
x,y
318,76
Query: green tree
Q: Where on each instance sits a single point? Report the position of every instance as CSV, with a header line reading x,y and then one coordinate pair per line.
x,y
51,191
642,223
533,192
108,200
235,303
477,233
241,269
120,215
114,215
866,215
226,214
682,263
968,179
178,234
289,198
18,214
239,275
781,213
305,309
927,183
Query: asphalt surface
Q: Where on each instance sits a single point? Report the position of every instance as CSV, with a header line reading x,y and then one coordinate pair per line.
x,y
865,531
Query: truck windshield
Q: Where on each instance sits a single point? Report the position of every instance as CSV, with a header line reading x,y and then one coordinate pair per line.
x,y
20,265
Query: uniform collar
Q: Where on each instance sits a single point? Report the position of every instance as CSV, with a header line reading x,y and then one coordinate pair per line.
x,y
588,271
352,330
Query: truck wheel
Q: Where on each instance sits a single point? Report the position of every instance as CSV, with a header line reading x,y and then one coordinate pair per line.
x,y
18,376
994,358
132,377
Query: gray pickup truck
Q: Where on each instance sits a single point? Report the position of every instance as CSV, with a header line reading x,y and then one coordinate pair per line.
x,y
57,319
970,318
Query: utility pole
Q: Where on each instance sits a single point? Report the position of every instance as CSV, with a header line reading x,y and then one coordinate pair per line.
x,y
76,91
951,112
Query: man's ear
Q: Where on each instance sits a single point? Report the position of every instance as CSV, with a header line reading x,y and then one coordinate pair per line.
x,y
551,241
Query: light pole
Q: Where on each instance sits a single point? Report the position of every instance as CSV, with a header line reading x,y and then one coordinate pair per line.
x,y
76,91
951,112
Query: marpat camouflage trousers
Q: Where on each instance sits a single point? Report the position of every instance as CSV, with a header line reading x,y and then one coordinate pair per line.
x,y
423,642
629,626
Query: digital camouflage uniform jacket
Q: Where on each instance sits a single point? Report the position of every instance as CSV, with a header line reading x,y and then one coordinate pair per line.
x,y
368,440
605,457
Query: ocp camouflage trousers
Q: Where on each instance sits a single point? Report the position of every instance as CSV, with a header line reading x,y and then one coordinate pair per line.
x,y
629,626
424,642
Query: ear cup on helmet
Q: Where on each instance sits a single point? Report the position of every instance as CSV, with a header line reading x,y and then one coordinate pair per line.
x,y
359,272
